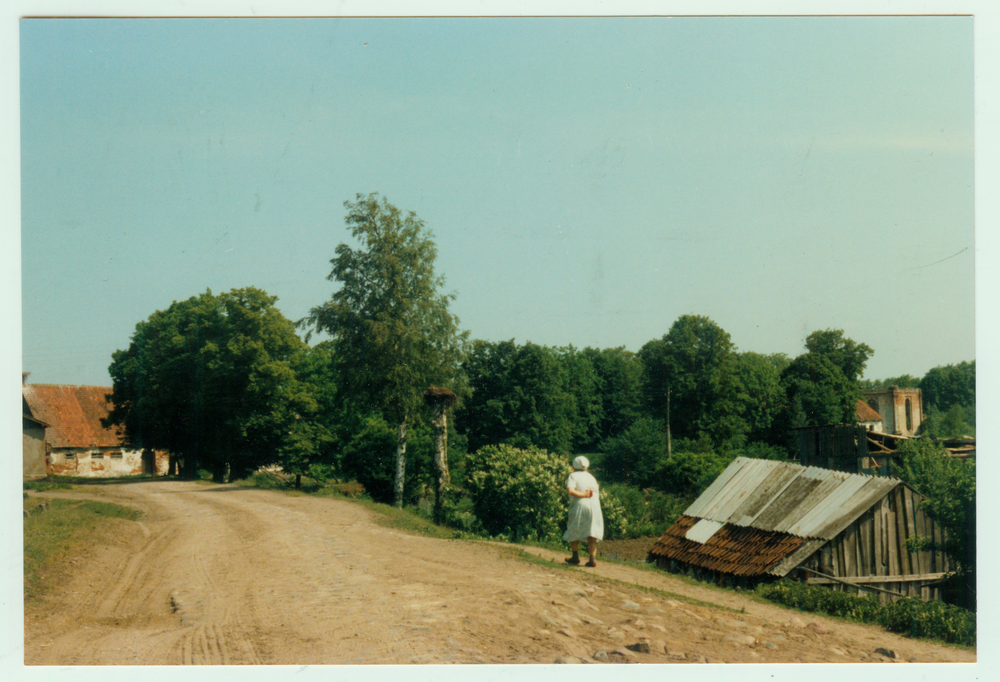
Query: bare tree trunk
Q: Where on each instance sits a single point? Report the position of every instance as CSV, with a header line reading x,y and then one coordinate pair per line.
x,y
440,424
400,461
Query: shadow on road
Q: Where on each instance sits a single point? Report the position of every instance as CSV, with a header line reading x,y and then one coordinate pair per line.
x,y
204,486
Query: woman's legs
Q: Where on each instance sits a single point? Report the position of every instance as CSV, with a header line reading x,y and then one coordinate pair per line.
x,y
592,550
575,546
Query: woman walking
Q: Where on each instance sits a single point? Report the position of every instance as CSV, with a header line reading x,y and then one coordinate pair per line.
x,y
586,522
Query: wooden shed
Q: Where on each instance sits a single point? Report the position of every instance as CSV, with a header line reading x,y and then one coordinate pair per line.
x,y
761,520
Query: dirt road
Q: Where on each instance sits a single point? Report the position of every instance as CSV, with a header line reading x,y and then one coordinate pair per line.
x,y
228,575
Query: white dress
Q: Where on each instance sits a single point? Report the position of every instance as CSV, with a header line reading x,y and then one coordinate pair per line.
x,y
585,517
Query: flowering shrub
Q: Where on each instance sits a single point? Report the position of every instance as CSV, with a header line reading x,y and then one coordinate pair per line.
x,y
615,519
518,493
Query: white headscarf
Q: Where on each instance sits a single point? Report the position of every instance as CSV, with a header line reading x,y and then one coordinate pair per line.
x,y
581,463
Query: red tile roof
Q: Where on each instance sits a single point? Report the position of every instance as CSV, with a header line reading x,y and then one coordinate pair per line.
x,y
738,550
73,414
866,413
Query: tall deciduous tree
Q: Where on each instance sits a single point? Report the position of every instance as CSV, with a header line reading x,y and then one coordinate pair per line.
x,y
620,384
523,396
391,327
691,370
823,385
849,356
949,385
211,379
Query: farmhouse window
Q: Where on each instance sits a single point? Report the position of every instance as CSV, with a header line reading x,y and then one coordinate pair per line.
x,y
97,455
115,455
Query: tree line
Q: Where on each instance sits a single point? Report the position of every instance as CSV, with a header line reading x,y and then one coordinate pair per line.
x,y
225,384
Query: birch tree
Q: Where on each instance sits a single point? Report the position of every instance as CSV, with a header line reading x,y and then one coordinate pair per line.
x,y
391,328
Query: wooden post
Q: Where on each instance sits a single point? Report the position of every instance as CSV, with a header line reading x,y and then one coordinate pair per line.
x,y
440,400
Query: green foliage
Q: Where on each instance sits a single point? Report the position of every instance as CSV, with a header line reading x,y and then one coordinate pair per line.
x,y
521,396
370,458
211,380
758,450
62,527
823,385
847,355
687,474
391,329
816,599
758,393
620,389
636,455
958,421
943,387
616,519
818,393
517,492
949,485
649,512
694,366
934,619
903,381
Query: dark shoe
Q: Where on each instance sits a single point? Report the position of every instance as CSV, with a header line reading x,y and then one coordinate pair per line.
x,y
591,564
573,560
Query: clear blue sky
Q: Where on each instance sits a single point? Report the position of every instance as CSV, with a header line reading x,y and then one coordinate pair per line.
x,y
587,180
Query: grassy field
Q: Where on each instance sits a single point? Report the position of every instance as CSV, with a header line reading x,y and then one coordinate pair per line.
x,y
57,532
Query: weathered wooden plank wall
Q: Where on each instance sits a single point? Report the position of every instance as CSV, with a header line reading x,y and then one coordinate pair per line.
x,y
875,546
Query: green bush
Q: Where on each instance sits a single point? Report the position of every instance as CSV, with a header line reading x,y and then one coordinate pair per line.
x,y
649,512
634,456
616,523
687,474
370,457
518,493
933,620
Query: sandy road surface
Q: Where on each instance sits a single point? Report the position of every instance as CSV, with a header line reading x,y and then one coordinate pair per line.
x,y
226,575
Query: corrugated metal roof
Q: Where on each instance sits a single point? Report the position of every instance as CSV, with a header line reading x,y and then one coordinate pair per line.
x,y
807,502
73,414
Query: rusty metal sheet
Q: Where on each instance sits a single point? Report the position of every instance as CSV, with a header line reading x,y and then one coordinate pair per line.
x,y
731,549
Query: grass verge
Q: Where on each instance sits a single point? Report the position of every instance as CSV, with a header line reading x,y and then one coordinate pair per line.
x,y
52,535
